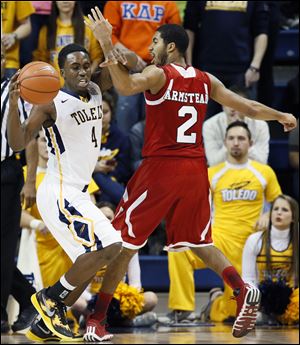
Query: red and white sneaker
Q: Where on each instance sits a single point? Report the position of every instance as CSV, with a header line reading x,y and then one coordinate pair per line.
x,y
248,301
95,331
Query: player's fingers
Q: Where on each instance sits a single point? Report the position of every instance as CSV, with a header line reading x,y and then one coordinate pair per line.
x,y
100,15
95,16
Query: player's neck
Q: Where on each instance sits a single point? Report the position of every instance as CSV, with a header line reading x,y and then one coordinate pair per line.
x,y
177,60
237,161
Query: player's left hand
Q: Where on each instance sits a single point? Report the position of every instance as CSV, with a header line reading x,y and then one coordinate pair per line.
x,y
28,195
288,121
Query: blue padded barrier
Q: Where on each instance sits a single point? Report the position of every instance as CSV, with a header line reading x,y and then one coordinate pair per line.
x,y
287,49
155,275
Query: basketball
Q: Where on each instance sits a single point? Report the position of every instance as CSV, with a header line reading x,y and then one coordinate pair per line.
x,y
39,82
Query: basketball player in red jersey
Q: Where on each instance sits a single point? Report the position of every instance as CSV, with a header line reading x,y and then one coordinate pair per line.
x,y
172,181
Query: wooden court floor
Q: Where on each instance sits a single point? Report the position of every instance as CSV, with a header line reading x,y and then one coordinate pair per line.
x,y
216,334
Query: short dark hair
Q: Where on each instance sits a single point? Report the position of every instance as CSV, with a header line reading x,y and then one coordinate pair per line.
x,y
239,124
68,49
108,204
175,33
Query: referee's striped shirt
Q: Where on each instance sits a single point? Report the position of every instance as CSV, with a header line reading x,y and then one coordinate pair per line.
x,y
6,151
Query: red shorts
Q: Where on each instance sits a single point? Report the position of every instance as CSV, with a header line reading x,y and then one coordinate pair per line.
x,y
174,189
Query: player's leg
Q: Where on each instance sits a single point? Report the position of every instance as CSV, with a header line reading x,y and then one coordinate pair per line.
x,y
190,226
86,236
142,208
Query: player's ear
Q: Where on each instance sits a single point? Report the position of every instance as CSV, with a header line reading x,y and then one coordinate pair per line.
x,y
62,72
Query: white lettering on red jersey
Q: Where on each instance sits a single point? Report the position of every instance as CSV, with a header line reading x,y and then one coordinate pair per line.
x,y
175,115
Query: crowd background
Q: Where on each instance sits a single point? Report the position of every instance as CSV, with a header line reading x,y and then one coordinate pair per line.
x,y
264,68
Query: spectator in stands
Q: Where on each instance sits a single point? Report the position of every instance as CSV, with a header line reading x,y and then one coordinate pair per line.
x,y
37,19
271,259
65,26
265,85
294,159
112,170
136,138
239,187
214,130
15,25
134,24
228,54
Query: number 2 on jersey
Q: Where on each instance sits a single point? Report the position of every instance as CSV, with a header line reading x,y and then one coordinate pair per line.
x,y
94,139
181,136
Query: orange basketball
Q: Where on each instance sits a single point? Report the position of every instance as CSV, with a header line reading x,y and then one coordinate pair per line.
x,y
39,82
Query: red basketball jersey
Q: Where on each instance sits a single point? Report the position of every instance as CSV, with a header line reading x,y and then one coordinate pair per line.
x,y
174,116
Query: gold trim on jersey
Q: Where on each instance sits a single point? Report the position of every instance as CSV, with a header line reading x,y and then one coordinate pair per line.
x,y
71,218
240,6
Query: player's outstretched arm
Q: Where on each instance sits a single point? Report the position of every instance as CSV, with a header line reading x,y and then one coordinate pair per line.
x,y
152,78
250,108
19,135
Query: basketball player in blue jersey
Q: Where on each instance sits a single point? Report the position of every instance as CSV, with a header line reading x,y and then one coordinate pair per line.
x,y
72,123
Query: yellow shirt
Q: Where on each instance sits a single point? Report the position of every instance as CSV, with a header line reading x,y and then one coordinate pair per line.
x,y
281,263
65,36
238,193
12,12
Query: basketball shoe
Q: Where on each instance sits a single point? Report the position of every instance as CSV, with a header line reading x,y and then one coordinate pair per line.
x,y
248,301
96,331
53,314
40,332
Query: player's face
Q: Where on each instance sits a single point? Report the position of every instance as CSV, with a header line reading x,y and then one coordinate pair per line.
x,y
158,50
237,142
77,71
106,116
42,146
108,212
281,215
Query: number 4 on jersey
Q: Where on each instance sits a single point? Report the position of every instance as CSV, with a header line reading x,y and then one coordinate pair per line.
x,y
94,139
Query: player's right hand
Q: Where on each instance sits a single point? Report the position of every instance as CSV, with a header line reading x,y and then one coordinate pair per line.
x,y
288,121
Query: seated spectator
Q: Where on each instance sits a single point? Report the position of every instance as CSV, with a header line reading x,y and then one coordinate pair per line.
x,y
214,133
38,19
15,25
239,187
66,25
112,171
294,159
271,262
136,138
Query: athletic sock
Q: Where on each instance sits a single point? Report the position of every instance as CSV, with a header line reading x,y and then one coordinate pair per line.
x,y
60,290
232,278
102,304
